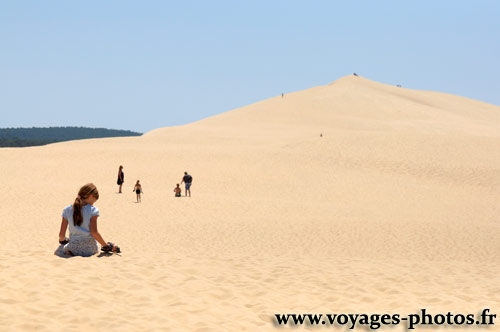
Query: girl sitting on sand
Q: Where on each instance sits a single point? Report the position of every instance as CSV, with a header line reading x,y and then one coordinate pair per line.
x,y
138,190
81,218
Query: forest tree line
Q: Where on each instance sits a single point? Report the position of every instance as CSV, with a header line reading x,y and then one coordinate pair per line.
x,y
19,137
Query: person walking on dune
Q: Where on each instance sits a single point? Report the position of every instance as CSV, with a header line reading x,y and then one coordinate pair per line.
x,y
187,179
138,191
121,179
81,219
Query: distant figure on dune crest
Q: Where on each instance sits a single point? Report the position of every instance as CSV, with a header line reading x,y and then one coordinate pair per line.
x,y
138,191
81,218
187,179
121,179
177,191
321,135
282,95
355,74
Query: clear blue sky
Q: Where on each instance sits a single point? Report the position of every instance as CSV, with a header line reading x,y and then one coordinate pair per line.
x,y
141,65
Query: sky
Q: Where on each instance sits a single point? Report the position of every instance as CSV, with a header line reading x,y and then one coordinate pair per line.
x,y
141,65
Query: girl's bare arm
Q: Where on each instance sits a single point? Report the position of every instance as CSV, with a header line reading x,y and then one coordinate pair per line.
x,y
95,234
62,232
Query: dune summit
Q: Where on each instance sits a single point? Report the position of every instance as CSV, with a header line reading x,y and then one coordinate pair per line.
x,y
354,197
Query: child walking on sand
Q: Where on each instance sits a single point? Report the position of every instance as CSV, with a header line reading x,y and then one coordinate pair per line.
x,y
177,191
81,219
138,191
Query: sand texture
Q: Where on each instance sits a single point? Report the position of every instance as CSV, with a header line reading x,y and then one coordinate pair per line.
x,y
395,208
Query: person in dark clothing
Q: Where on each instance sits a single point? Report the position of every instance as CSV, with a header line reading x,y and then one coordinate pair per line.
x,y
138,190
187,179
121,179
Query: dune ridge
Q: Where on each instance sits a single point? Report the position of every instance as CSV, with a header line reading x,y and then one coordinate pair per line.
x,y
393,209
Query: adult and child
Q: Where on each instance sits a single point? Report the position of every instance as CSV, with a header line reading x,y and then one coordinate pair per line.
x,y
187,180
121,180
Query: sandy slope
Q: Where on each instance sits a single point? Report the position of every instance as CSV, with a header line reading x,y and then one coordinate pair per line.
x,y
395,208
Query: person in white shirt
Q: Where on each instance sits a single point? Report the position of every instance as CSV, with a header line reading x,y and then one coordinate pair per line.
x,y
81,219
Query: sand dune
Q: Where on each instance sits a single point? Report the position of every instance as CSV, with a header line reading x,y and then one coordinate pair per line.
x,y
395,208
